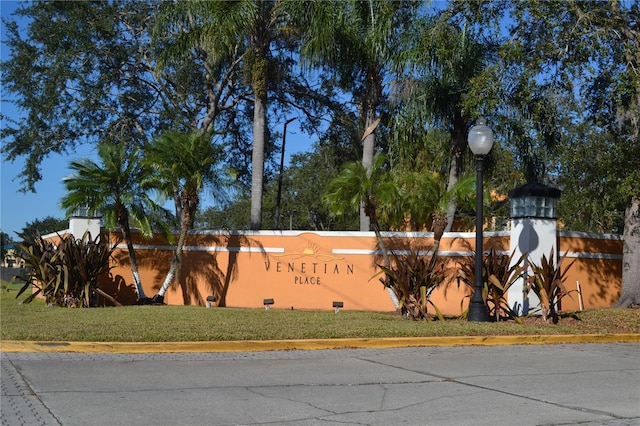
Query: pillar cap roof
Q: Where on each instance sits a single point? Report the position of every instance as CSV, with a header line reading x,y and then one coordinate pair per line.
x,y
534,189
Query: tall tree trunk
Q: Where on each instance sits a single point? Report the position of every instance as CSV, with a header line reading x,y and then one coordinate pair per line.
x,y
126,232
174,269
459,146
370,210
123,221
438,226
257,161
368,151
630,294
454,176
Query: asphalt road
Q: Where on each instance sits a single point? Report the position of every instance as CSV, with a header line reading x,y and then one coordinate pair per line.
x,y
586,384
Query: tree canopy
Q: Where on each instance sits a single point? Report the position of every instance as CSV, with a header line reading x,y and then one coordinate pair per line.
x,y
40,227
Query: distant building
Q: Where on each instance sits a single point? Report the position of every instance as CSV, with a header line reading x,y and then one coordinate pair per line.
x,y
11,260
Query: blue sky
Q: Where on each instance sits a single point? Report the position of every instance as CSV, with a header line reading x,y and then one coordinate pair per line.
x,y
18,208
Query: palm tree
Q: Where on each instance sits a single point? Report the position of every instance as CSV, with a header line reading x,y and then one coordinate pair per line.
x,y
425,198
183,164
355,41
446,61
114,189
356,187
396,197
222,29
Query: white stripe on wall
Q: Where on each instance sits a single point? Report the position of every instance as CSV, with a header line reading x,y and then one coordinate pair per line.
x,y
350,234
591,235
444,253
580,255
356,251
361,252
207,249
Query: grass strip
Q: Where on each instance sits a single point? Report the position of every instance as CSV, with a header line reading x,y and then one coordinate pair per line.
x,y
37,322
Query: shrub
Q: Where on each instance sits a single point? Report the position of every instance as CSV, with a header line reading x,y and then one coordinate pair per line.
x,y
498,275
412,278
66,273
547,282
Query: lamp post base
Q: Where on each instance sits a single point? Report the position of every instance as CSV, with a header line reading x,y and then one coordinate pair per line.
x,y
478,312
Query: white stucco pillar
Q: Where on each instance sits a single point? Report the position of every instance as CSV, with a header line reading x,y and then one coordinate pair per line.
x,y
81,222
534,232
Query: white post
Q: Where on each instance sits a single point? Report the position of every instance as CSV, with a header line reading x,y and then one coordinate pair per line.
x,y
536,237
81,222
534,232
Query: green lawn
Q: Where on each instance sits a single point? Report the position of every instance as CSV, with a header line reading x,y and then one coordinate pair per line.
x,y
38,322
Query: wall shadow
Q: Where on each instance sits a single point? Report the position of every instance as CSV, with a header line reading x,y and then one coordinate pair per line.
x,y
214,260
208,267
197,267
153,266
601,283
117,287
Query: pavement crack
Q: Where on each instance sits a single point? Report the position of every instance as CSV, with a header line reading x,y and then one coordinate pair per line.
x,y
492,389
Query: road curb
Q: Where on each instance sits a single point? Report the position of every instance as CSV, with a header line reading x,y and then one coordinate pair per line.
x,y
311,344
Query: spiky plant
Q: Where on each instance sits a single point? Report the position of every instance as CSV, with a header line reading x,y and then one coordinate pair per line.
x,y
499,273
547,282
412,278
66,272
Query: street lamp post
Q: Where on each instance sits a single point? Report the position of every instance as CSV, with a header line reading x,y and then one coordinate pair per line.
x,y
284,141
480,141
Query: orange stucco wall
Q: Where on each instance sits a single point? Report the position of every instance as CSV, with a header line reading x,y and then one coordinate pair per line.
x,y
310,270
597,267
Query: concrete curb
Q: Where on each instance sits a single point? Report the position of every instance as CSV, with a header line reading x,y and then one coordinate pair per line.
x,y
311,344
